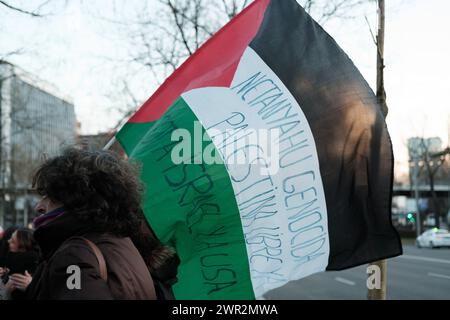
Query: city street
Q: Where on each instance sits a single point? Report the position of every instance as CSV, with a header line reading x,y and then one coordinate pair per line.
x,y
418,274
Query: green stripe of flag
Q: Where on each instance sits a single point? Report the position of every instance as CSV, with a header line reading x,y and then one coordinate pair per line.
x,y
131,133
192,207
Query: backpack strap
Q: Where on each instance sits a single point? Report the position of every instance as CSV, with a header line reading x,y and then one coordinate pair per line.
x,y
100,258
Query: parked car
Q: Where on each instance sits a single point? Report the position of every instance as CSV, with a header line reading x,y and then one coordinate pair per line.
x,y
434,238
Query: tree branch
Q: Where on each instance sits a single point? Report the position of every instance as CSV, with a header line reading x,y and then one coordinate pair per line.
x,y
30,13
180,25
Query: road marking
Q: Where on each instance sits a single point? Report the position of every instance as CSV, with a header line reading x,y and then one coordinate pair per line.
x,y
425,259
345,281
437,275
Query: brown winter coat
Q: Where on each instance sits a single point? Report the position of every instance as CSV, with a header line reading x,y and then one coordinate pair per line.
x,y
128,275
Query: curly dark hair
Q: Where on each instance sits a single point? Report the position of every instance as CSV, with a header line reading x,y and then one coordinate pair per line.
x,y
98,186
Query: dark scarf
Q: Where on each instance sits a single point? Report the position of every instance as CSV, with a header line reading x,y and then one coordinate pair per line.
x,y
51,234
45,218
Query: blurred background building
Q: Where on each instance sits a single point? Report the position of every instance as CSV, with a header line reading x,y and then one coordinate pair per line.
x,y
36,121
423,202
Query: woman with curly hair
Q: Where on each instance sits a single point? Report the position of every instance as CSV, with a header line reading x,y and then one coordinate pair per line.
x,y
90,209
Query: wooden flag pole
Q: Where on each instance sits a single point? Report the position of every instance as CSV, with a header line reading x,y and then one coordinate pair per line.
x,y
380,266
117,128
110,143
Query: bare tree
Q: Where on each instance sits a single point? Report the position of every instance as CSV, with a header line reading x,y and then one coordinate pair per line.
x,y
182,26
430,167
432,163
324,10
164,33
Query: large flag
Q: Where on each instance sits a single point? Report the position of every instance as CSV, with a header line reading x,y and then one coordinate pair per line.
x,y
316,197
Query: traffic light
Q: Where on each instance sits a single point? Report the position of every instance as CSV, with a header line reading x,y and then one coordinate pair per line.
x,y
411,217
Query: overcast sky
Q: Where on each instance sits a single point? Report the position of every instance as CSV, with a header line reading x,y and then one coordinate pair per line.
x,y
73,50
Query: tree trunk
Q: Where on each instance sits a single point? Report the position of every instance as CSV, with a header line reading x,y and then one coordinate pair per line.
x,y
381,93
380,294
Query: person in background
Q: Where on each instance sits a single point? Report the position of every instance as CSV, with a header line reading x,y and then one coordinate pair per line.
x,y
2,233
161,260
20,263
4,246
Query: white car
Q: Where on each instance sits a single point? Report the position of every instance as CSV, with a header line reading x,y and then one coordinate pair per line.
x,y
434,238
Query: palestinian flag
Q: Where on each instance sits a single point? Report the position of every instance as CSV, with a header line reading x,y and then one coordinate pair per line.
x,y
316,198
